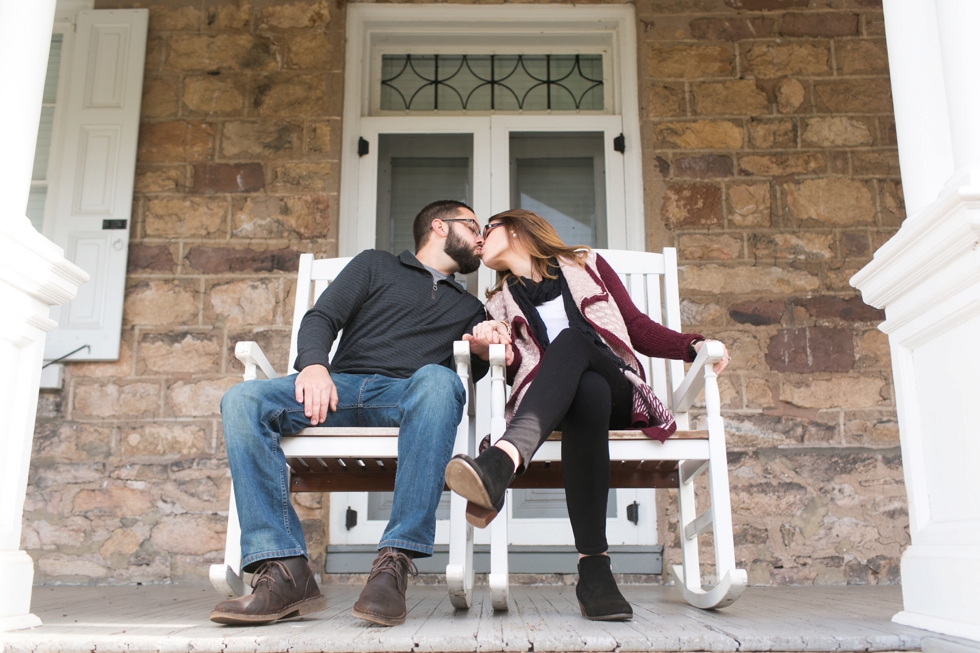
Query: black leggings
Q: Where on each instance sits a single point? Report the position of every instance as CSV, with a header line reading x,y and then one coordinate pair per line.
x,y
581,389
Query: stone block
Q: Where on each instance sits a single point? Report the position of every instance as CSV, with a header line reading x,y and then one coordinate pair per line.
x,y
295,15
871,428
185,217
177,141
707,166
758,394
227,15
220,260
811,349
190,534
759,312
892,203
696,313
790,95
874,25
222,52
852,309
237,303
121,367
297,95
876,163
782,164
854,244
290,177
150,258
666,101
123,541
745,348
200,398
212,178
766,5
113,500
185,352
163,439
766,133
752,431
279,217
691,205
731,29
70,442
260,139
720,247
220,95
318,137
159,98
833,201
867,95
837,132
690,61
800,246
158,179
736,97
768,59
159,302
699,135
69,568
749,205
838,392
175,17
873,351
312,51
114,399
273,341
717,279
863,57
822,24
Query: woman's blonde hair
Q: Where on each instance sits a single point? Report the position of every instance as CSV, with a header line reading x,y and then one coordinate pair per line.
x,y
540,240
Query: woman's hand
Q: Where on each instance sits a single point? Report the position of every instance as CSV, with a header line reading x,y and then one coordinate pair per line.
x,y
720,365
489,333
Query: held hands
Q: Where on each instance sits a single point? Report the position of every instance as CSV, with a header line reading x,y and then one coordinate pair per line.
x,y
720,365
490,333
316,391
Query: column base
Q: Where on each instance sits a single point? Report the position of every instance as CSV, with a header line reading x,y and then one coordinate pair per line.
x,y
941,590
17,572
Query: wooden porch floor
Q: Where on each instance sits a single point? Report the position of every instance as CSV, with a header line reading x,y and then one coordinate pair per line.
x,y
175,618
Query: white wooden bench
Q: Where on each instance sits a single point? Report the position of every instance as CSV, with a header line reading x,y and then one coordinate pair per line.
x,y
638,461
324,459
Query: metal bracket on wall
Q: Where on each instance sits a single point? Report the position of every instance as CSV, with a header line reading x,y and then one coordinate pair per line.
x,y
619,144
633,512
351,518
363,147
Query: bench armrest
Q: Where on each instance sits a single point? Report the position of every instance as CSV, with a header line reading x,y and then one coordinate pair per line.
x,y
687,392
257,366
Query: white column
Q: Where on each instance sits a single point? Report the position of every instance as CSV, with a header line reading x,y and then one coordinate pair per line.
x,y
34,275
927,278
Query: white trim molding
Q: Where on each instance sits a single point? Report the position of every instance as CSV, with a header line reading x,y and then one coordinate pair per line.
x,y
488,29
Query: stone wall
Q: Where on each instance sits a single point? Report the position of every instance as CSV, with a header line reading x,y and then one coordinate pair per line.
x,y
770,162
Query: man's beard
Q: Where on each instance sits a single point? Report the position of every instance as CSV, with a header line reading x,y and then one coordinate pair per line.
x,y
459,251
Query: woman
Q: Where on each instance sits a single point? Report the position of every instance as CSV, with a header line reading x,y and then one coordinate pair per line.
x,y
572,330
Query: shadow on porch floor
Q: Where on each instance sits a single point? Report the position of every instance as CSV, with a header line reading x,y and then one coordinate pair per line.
x,y
175,618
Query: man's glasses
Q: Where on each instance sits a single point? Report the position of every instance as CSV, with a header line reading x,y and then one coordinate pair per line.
x,y
470,223
490,227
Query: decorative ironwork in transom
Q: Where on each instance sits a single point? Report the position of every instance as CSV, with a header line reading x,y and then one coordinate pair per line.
x,y
491,82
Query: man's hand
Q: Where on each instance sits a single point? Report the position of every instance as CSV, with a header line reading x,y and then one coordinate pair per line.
x,y
486,334
316,391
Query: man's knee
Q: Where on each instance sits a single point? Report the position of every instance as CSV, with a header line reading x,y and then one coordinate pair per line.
x,y
246,397
435,385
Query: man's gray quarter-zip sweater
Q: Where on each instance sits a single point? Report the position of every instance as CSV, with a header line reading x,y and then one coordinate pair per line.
x,y
395,319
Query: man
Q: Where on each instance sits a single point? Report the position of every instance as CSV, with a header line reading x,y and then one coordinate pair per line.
x,y
393,367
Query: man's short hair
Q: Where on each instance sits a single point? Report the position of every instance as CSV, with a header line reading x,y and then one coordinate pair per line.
x,y
439,210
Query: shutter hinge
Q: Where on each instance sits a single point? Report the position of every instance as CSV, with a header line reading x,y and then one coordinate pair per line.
x,y
363,147
351,518
619,144
633,512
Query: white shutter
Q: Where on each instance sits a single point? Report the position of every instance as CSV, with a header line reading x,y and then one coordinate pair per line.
x,y
94,190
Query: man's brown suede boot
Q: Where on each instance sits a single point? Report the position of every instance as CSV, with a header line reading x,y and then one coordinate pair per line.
x,y
282,587
382,600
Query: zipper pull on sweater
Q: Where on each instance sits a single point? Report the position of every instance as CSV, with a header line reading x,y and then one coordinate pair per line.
x,y
433,290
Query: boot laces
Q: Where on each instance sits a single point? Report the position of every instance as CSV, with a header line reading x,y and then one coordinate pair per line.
x,y
264,574
388,562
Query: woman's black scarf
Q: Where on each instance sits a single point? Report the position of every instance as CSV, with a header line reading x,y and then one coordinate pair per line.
x,y
529,295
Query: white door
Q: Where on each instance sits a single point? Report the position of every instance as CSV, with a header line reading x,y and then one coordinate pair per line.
x,y
565,168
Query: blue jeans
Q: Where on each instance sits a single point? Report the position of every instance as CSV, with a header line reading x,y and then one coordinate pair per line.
x,y
425,407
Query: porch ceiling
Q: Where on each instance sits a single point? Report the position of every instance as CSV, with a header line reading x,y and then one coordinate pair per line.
x,y
175,618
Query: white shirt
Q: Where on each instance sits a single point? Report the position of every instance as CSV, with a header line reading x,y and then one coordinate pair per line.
x,y
554,317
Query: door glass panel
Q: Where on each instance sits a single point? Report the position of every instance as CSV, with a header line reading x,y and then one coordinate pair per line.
x,y
414,170
561,177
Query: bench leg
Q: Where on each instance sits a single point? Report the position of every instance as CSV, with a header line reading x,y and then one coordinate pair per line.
x,y
499,571
227,577
459,571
